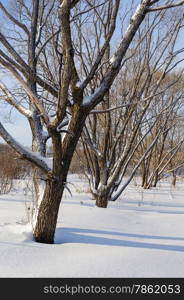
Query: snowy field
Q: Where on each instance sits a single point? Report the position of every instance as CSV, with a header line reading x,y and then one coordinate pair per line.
x,y
140,235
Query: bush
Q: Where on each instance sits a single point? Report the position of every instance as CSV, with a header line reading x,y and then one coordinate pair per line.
x,y
11,167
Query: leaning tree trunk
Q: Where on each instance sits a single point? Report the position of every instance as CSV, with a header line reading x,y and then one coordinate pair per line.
x,y
48,211
62,155
49,205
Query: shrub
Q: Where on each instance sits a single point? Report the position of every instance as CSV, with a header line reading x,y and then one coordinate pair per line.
x,y
11,167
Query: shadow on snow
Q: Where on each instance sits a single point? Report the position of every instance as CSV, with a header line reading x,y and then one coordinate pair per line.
x,y
90,236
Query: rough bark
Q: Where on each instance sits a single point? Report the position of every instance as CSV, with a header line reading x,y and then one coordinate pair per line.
x,y
101,201
48,212
49,207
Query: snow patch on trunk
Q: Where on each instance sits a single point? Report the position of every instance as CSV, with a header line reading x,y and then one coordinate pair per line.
x,y
36,204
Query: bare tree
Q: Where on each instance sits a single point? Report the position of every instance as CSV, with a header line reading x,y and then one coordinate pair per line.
x,y
72,102
166,156
169,143
138,103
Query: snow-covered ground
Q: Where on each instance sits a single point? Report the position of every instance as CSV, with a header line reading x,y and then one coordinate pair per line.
x,y
140,235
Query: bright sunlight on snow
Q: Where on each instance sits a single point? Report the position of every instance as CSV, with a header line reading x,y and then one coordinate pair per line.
x,y
140,235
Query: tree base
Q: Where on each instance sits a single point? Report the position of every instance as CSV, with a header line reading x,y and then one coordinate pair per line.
x,y
102,202
43,240
37,240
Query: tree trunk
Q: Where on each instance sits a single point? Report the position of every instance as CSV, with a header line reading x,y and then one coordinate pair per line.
x,y
174,179
143,177
101,201
48,211
156,178
38,145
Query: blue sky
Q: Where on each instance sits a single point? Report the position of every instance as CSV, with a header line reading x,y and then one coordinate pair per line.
x,y
18,126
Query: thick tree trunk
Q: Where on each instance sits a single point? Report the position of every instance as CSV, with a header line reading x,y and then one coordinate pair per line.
x,y
62,155
102,197
101,201
48,211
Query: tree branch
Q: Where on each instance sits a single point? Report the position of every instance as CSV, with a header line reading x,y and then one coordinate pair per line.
x,y
9,98
46,42
24,67
69,75
15,21
116,60
29,92
88,10
24,153
105,46
73,3
179,3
